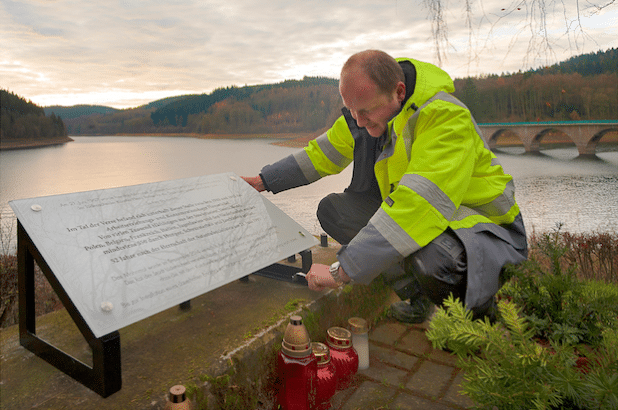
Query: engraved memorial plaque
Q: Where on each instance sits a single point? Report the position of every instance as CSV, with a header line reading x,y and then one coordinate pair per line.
x,y
124,254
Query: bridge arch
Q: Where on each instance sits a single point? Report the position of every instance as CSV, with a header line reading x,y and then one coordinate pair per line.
x,y
591,146
585,135
535,144
492,136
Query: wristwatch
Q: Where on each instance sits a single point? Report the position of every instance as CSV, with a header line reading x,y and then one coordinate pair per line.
x,y
334,271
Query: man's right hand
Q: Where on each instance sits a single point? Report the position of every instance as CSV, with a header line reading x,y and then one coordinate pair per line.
x,y
255,182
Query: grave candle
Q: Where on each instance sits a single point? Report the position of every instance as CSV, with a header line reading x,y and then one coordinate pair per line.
x,y
343,355
360,340
177,399
297,368
326,377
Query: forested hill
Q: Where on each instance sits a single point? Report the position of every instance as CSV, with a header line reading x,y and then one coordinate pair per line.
x,y
292,106
581,88
178,112
601,62
22,120
76,111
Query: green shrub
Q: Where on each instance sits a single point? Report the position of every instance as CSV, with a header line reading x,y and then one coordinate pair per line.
x,y
504,367
554,345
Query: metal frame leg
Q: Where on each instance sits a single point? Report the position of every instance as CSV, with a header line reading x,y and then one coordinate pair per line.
x,y
105,376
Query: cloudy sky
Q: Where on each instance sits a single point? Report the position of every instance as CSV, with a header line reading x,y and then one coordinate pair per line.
x,y
127,53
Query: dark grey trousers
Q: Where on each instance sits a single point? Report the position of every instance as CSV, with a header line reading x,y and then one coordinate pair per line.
x,y
435,271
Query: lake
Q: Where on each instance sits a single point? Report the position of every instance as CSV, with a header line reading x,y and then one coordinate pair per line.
x,y
556,186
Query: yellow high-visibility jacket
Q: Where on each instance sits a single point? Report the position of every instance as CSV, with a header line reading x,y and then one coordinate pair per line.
x,y
435,172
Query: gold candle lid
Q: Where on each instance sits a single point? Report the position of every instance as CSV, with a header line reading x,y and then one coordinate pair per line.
x,y
296,342
322,352
177,394
339,337
358,325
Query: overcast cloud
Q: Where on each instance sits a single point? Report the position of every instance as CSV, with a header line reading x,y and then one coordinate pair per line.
x,y
127,53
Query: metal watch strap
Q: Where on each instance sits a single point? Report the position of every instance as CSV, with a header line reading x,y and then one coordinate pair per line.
x,y
334,271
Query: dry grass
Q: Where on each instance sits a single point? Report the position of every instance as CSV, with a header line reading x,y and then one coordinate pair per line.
x,y
594,255
46,299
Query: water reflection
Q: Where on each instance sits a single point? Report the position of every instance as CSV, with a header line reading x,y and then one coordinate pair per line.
x,y
583,203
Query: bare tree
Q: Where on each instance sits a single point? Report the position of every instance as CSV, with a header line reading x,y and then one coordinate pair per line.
x,y
532,22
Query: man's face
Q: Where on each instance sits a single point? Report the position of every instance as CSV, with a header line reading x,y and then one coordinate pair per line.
x,y
371,108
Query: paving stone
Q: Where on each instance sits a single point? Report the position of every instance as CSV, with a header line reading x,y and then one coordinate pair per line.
x,y
405,373
341,397
385,374
387,333
406,401
369,396
431,378
443,357
453,394
391,356
415,342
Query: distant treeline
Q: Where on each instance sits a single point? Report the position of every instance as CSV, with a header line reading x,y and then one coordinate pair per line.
x,y
290,106
601,62
21,119
541,97
584,87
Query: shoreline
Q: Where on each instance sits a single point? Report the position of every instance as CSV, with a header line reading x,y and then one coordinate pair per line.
x,y
32,143
286,139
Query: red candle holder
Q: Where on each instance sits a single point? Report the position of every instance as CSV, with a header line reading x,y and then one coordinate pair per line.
x,y
297,368
342,354
326,378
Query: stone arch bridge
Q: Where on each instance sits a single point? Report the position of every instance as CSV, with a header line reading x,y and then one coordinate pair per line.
x,y
585,134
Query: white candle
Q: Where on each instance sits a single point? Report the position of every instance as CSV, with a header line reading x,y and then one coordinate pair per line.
x,y
360,340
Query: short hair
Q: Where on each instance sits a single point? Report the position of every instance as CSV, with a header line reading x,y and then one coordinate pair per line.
x,y
380,67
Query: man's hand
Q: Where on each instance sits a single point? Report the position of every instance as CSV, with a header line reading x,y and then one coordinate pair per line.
x,y
255,182
320,278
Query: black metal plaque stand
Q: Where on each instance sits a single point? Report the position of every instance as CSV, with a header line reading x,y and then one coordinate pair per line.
x,y
104,377
288,273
